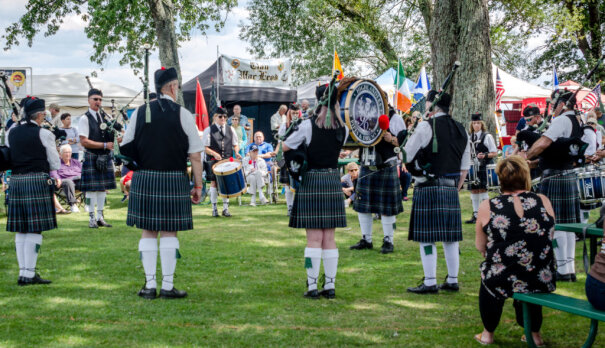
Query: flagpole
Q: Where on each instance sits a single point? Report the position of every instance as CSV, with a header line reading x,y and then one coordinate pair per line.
x,y
218,61
397,85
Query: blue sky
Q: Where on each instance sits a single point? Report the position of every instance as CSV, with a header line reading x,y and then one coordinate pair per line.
x,y
69,50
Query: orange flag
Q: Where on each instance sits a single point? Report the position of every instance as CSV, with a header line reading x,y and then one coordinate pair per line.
x,y
337,66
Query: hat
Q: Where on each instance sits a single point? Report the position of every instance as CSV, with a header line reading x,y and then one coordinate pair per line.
x,y
163,76
293,106
253,147
443,103
54,106
220,111
531,110
94,91
34,105
565,96
23,101
476,117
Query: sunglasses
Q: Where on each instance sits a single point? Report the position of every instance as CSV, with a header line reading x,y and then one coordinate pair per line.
x,y
221,116
591,124
353,170
97,99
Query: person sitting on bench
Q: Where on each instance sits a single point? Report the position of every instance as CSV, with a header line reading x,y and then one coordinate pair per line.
x,y
595,281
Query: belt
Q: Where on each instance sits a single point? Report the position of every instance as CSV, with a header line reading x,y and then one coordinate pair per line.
x,y
382,166
438,182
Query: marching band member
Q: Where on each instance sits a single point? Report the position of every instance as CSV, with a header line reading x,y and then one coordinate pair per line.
x,y
483,150
533,119
436,205
159,200
378,191
255,169
591,137
284,177
30,203
222,143
318,205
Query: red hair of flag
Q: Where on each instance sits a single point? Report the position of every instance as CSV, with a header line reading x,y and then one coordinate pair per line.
x,y
383,122
230,159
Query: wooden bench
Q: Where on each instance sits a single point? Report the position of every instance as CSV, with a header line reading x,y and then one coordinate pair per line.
x,y
592,233
562,303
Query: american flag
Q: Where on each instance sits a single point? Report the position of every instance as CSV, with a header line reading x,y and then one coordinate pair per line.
x,y
499,89
593,97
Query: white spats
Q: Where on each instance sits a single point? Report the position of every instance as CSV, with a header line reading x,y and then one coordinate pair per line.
x,y
452,259
213,196
289,197
20,250
225,203
571,252
312,263
330,258
32,244
365,222
91,201
388,222
475,200
148,248
428,255
169,247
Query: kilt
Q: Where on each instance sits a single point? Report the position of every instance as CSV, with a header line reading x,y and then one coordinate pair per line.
x,y
160,201
30,204
482,176
208,169
94,180
378,193
284,176
318,202
435,215
564,196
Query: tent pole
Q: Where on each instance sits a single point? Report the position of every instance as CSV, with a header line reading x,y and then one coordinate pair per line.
x,y
218,61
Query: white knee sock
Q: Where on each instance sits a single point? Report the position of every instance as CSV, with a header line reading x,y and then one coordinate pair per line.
x,y
365,222
252,193
388,223
148,247
213,196
261,194
100,203
289,196
91,198
428,255
330,258
571,252
32,244
475,200
584,214
482,196
19,248
225,203
452,259
169,252
560,249
312,262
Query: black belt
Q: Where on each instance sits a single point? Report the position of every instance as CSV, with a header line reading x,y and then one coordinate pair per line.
x,y
438,182
382,166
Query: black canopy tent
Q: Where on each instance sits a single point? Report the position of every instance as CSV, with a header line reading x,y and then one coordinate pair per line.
x,y
258,103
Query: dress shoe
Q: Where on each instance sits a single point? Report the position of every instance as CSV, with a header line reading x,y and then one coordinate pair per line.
x,y
312,294
214,213
328,293
174,293
124,198
226,213
449,286
472,220
572,277
376,216
101,222
149,294
424,289
21,281
92,223
387,247
289,212
563,277
35,280
363,244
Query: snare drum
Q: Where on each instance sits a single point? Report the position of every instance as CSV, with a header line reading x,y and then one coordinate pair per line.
x,y
590,186
492,178
229,178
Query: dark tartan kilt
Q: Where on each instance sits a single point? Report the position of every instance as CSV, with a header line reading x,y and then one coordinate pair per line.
x,y
435,215
94,180
563,194
482,176
160,201
284,176
318,203
30,204
378,193
208,170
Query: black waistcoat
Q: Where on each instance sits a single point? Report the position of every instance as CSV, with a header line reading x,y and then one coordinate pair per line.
x,y
480,147
221,143
28,155
325,146
96,134
557,156
452,140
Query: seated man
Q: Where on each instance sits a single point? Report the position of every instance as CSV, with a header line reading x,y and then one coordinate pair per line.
x,y
349,181
255,170
68,176
266,152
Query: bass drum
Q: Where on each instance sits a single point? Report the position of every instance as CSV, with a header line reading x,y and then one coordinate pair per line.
x,y
361,104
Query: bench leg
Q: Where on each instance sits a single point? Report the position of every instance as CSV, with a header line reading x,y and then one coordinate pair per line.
x,y
594,327
593,250
527,326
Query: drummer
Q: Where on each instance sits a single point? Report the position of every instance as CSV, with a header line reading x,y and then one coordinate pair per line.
x,y
592,138
284,177
222,143
483,150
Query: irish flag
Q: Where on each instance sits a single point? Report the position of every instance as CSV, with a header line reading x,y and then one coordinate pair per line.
x,y
403,97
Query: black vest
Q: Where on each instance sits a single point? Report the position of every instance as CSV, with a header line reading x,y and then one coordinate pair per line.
x,y
452,140
96,134
161,144
479,145
325,146
221,143
557,156
28,155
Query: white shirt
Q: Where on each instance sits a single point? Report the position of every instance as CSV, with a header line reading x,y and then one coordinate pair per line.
x,y
258,163
560,127
396,125
48,141
187,123
83,123
590,137
277,120
305,133
488,141
206,136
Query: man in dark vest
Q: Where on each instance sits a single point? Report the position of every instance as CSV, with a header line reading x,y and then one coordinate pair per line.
x,y
222,143
30,203
439,176
97,169
159,201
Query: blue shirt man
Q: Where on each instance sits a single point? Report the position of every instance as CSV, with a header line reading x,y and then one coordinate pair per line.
x,y
265,150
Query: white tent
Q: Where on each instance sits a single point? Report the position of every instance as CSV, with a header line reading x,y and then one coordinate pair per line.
x,y
516,89
307,90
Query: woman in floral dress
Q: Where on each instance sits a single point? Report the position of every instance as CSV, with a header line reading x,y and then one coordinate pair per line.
x,y
514,234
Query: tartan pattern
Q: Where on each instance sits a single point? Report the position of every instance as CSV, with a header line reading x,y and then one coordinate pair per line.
x,y
564,196
92,179
30,204
435,215
482,176
378,193
318,202
208,169
160,201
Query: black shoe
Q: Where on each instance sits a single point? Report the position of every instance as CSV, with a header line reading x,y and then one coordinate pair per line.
x,y
226,213
472,220
124,198
424,289
363,244
572,277
328,293
102,223
387,247
376,217
289,212
149,294
21,281
35,280
174,293
449,286
312,294
563,277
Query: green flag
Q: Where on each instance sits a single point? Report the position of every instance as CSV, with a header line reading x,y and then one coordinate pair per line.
x,y
400,75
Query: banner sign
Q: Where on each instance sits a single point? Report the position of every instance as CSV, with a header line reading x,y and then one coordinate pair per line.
x,y
249,72
540,102
19,81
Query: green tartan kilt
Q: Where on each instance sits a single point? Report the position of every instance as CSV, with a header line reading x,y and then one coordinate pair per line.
x,y
30,203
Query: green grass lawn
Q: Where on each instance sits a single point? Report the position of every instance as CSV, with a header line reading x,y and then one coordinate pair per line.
x,y
245,277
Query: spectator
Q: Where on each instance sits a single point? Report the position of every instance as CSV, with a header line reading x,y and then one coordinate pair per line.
x,y
265,151
256,173
405,179
240,130
243,119
304,108
513,148
55,119
72,138
349,182
125,182
514,233
276,120
68,176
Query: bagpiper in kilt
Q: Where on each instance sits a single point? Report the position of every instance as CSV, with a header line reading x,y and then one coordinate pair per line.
x,y
439,176
590,136
97,169
318,205
160,202
378,190
558,149
30,196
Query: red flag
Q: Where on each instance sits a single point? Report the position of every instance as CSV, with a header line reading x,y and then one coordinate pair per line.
x,y
201,113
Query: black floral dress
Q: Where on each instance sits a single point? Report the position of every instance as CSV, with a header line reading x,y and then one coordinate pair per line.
x,y
519,255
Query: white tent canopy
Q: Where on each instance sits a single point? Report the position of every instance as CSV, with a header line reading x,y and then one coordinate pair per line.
x,y
516,89
307,90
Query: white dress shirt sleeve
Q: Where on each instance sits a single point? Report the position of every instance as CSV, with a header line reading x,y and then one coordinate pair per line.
x,y
420,139
131,129
490,143
52,156
560,128
303,133
189,127
465,163
83,126
590,137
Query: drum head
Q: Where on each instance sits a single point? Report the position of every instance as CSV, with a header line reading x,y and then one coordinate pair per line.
x,y
226,167
363,104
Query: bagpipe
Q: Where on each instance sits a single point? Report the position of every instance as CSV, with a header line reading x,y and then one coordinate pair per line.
x,y
5,158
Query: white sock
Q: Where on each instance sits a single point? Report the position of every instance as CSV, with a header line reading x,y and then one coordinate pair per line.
x,y
475,200
584,214
482,196
261,195
561,251
19,248
169,251
253,199
428,255
289,196
312,262
148,247
100,203
452,258
225,203
571,252
213,196
330,258
365,222
388,223
32,244
92,201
